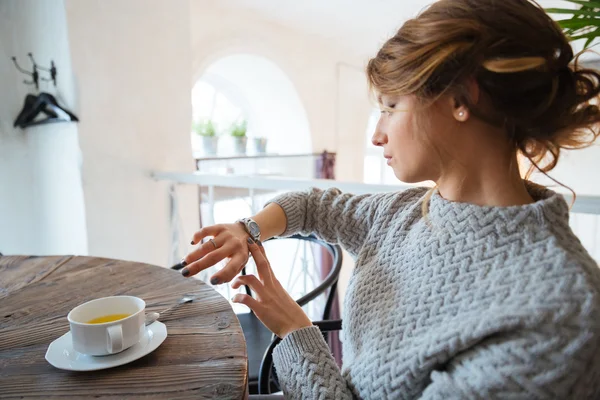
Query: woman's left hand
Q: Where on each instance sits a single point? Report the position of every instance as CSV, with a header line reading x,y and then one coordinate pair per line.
x,y
273,305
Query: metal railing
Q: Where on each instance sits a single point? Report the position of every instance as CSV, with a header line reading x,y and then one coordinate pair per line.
x,y
256,190
583,204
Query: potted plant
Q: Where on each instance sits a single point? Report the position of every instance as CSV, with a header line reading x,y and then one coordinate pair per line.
x,y
206,130
259,145
584,22
238,133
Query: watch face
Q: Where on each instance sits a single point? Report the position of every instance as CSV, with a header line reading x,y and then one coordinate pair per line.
x,y
253,228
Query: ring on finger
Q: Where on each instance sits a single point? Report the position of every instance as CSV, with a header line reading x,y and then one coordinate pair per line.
x,y
213,243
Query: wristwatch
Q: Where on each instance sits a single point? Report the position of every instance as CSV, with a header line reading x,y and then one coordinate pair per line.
x,y
251,227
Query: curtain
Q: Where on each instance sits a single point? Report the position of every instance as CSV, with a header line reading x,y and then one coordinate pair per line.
x,y
325,169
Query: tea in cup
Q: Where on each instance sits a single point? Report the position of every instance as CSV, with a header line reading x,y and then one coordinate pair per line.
x,y
108,325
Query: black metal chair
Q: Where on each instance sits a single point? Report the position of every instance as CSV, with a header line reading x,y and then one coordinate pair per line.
x,y
267,374
259,338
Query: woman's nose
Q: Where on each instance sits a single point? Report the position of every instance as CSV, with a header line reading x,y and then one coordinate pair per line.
x,y
379,138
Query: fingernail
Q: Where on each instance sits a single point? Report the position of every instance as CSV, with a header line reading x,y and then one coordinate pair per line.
x,y
183,263
259,243
214,281
185,272
192,242
250,241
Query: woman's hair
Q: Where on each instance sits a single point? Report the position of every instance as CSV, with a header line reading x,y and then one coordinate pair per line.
x,y
529,83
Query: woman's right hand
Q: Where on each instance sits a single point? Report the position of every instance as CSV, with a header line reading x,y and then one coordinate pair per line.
x,y
230,241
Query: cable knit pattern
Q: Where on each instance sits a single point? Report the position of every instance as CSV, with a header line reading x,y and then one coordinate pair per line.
x,y
469,302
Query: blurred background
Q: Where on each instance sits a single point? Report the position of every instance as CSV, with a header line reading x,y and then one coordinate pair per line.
x,y
194,112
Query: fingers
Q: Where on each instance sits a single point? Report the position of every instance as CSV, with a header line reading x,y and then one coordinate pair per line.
x,y
246,300
224,245
260,259
261,248
212,230
233,267
206,248
207,261
249,280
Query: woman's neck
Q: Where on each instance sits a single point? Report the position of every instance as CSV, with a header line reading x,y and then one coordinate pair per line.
x,y
485,183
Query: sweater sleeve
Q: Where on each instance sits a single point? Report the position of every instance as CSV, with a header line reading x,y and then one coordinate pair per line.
x,y
334,216
306,369
551,363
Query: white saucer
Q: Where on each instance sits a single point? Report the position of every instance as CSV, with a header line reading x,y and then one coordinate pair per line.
x,y
61,354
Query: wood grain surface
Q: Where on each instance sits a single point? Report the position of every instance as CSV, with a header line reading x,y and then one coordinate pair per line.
x,y
204,355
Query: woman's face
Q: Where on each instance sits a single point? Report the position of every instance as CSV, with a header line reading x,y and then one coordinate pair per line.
x,y
408,146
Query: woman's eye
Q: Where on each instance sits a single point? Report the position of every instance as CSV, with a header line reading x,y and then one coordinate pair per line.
x,y
388,109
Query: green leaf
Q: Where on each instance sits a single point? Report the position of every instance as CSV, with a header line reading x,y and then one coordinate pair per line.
x,y
239,128
584,23
590,35
578,23
587,42
591,4
567,11
204,128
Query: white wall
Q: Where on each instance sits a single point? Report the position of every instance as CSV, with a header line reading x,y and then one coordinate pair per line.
x,y
41,200
577,169
132,64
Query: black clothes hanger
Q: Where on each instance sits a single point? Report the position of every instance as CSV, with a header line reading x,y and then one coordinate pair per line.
x,y
44,103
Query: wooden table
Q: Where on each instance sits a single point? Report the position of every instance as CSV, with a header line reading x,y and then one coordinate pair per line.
x,y
204,355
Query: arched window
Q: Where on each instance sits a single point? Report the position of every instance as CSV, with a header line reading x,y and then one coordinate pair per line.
x,y
217,100
246,87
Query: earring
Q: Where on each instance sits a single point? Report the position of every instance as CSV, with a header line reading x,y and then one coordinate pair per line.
x,y
461,114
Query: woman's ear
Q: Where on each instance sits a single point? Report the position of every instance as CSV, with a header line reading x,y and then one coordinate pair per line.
x,y
460,110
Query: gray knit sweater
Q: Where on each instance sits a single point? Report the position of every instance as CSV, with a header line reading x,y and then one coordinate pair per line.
x,y
468,303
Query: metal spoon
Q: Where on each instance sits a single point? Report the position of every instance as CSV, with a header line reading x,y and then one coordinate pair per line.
x,y
153,316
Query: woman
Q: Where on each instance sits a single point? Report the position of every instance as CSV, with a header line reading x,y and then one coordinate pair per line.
x,y
477,288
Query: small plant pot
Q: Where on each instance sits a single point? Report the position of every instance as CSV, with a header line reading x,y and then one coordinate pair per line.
x,y
259,145
210,144
239,144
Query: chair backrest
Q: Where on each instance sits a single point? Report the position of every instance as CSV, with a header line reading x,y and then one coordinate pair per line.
x,y
265,376
329,282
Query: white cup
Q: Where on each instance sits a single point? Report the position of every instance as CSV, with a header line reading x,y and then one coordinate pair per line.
x,y
109,337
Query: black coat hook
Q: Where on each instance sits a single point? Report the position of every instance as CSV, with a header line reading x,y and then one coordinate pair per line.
x,y
34,75
44,104
52,69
